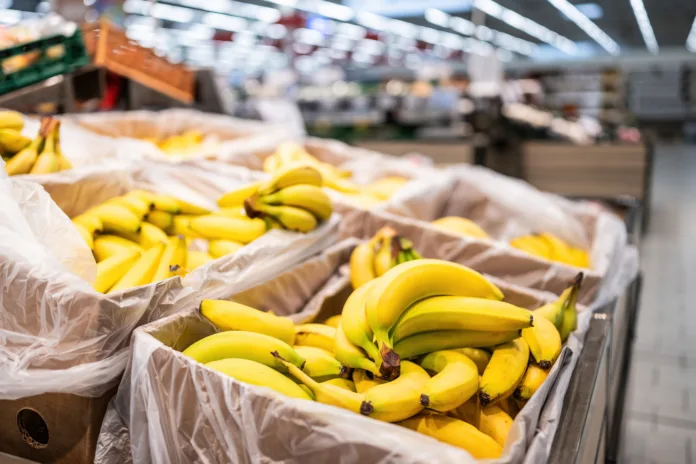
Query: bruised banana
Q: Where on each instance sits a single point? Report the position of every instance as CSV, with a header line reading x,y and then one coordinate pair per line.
x,y
220,248
291,175
142,271
456,380
469,412
246,345
112,269
227,228
258,374
106,246
426,342
320,363
504,372
316,335
236,198
533,378
362,264
229,315
365,380
399,399
495,423
350,355
354,322
307,197
544,342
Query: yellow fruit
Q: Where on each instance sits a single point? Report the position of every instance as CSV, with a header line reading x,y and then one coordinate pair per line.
x,y
533,378
362,264
229,315
495,423
236,198
197,259
460,226
112,269
220,248
227,228
399,399
456,380
317,335
504,372
142,270
333,321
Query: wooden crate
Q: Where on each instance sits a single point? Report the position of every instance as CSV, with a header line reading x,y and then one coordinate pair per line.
x,y
109,48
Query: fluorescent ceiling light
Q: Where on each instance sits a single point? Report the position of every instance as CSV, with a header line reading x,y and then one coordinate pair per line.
x,y
644,24
10,17
437,17
532,28
591,28
334,10
691,40
591,10
172,13
224,22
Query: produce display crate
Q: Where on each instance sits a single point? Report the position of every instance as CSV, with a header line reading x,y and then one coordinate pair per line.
x,y
54,55
441,152
109,47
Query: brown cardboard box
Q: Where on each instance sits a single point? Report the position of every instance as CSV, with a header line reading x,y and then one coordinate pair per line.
x,y
53,427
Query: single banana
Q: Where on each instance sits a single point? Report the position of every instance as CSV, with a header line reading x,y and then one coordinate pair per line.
x,y
426,342
220,248
544,342
317,335
63,162
580,258
325,393
460,226
384,257
480,357
144,195
116,218
495,423
142,270
165,203
558,249
162,272
504,372
456,380
258,374
47,161
151,235
341,383
112,269
86,236
364,380
197,259
456,433
307,197
570,316
459,312
354,323
320,364
229,315
333,321
294,174
190,208
533,245
22,162
245,345
533,378
236,198
139,207
106,246
289,217
178,264
12,141
181,225
234,212
350,355
397,400
227,228
11,120
362,264
161,219
553,312
92,223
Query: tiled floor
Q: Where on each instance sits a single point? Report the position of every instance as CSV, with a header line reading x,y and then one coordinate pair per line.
x,y
661,404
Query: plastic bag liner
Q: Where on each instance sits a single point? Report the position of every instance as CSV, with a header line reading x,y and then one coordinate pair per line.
x,y
172,409
98,169
507,208
223,136
58,334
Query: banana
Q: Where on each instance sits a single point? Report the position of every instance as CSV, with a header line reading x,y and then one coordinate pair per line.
x,y
570,316
469,412
456,380
106,246
229,315
22,162
197,259
362,264
320,363
92,223
460,226
144,195
12,141
307,197
341,383
407,283
234,212
385,187
333,181
181,223
317,335
112,269
580,258
333,321
458,312
162,272
553,312
504,372
63,162
350,355
190,208
426,342
139,207
384,257
86,236
142,270
326,393
116,218
544,342
364,380
289,217
236,198
227,228
456,433
165,203
399,399
245,345
151,235
47,161
533,245
495,423
558,249
533,378
11,120
354,323
294,174
480,357
178,264
220,248
255,373
161,219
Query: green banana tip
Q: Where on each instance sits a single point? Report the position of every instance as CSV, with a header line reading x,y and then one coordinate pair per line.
x,y
366,408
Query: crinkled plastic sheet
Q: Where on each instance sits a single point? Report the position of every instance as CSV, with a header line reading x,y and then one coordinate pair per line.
x,y
214,418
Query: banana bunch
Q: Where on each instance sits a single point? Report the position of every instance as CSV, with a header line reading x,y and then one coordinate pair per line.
x,y
375,257
42,155
180,144
550,247
460,226
293,200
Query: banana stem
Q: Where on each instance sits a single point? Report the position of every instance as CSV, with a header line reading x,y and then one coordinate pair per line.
x,y
390,368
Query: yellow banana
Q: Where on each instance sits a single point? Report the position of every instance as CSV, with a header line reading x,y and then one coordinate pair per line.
x,y
495,423
320,364
112,269
362,264
469,412
426,342
570,312
460,226
504,372
190,208
227,228
106,246
258,374
308,197
354,322
197,259
558,249
63,162
317,335
22,162
116,218
364,380
11,120
341,383
151,235
162,272
533,245
459,312
47,161
245,345
165,203
384,257
234,212
533,378
139,207
553,312
350,355
510,406
143,195
220,248
289,217
142,270
480,357
385,187
294,174
544,342
86,236
397,400
456,380
229,315
92,223
181,225
161,219
12,141
236,198
456,433
580,258
333,321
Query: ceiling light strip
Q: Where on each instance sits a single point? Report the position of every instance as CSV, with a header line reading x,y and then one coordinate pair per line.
x,y
691,40
591,28
644,24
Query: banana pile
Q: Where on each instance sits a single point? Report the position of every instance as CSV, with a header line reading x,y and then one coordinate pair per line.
x,y
42,155
550,247
460,226
375,257
181,144
291,154
429,346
